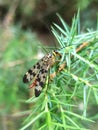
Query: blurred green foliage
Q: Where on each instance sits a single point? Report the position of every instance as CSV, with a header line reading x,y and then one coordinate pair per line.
x,y
18,49
41,13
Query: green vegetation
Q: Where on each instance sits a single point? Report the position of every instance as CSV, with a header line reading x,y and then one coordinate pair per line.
x,y
66,100
69,100
18,52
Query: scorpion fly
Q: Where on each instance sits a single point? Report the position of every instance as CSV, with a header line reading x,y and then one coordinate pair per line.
x,y
39,71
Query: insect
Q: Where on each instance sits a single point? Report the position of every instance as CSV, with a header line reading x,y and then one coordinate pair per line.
x,y
39,72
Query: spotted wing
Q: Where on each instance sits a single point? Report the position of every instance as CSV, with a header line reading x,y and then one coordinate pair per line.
x,y
32,72
40,80
39,73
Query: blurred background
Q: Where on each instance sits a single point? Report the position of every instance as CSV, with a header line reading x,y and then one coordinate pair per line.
x,y
25,26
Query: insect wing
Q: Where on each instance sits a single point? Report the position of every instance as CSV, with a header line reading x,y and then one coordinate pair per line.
x,y
40,80
39,72
32,72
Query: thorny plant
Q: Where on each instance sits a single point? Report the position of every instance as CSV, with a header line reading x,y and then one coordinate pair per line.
x,y
75,81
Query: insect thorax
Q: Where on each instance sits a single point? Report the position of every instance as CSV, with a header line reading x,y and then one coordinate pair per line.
x,y
49,59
